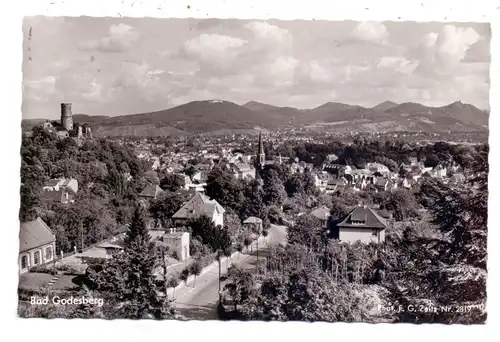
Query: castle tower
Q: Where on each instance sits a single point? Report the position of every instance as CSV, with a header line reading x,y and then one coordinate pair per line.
x,y
66,116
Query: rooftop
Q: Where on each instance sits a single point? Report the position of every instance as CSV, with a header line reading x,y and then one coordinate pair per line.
x,y
363,217
198,205
34,234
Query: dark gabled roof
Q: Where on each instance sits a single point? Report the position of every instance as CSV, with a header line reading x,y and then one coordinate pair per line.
x,y
52,182
370,218
151,191
56,196
34,234
198,205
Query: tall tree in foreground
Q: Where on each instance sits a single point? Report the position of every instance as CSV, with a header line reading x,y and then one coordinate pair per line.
x,y
129,279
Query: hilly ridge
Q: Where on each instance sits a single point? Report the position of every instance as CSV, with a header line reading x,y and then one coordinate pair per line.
x,y
223,116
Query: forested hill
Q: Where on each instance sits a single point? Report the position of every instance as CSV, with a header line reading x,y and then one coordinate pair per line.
x,y
105,198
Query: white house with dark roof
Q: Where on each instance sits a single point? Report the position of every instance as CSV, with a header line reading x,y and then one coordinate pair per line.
x,y
37,245
361,224
61,184
199,205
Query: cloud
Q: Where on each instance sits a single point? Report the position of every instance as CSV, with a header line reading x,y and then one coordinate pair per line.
x,y
279,72
375,32
120,38
264,31
398,64
214,53
275,62
208,46
441,53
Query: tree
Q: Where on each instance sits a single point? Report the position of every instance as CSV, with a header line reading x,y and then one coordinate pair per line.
x,y
294,185
195,269
247,241
274,190
303,295
172,182
307,231
224,188
129,278
239,286
163,209
253,205
173,281
184,275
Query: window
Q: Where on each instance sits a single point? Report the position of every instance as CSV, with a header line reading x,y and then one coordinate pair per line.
x,y
48,253
36,260
24,262
374,232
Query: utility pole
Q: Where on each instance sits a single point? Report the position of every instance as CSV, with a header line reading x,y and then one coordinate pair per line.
x,y
81,233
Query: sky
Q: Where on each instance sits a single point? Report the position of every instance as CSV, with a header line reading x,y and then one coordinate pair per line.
x,y
118,66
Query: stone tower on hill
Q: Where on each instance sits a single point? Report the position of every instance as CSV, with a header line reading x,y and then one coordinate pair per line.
x,y
66,117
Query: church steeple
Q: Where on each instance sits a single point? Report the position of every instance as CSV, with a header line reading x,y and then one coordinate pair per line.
x,y
261,158
261,155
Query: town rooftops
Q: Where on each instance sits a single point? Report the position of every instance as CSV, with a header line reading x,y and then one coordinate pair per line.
x,y
253,220
363,217
199,205
34,234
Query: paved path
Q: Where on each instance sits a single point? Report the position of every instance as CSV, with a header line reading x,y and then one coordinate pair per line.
x,y
199,300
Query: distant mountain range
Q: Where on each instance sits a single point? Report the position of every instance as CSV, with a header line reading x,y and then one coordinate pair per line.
x,y
218,116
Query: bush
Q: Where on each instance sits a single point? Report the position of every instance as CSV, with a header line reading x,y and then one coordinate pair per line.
x,y
44,269
184,275
195,268
172,281
274,215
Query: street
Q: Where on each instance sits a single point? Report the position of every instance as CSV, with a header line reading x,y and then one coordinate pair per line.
x,y
199,300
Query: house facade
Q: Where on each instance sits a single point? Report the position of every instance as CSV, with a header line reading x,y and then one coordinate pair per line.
x,y
37,245
361,224
177,242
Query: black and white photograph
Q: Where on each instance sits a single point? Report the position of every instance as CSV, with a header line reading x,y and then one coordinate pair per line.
x,y
254,170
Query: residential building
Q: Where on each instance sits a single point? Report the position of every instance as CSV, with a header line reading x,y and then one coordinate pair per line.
x,y
322,214
199,205
178,243
361,224
152,191
61,183
37,245
321,180
60,196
